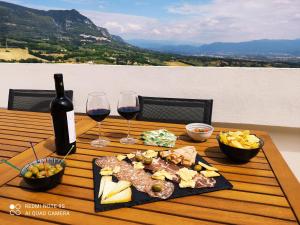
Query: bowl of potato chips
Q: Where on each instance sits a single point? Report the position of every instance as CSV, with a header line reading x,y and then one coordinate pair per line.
x,y
239,146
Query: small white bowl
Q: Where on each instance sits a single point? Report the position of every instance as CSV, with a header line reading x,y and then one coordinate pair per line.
x,y
199,136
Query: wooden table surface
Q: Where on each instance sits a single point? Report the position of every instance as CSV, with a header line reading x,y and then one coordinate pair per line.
x,y
264,190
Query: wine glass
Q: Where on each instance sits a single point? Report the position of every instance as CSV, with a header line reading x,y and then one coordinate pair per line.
x,y
98,108
128,107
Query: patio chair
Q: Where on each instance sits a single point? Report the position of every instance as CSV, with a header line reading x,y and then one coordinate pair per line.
x,y
32,100
175,110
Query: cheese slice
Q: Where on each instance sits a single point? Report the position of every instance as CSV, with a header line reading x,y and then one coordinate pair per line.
x,y
130,155
138,165
121,157
185,184
104,179
123,196
211,168
120,186
161,175
108,187
210,173
106,171
150,154
186,174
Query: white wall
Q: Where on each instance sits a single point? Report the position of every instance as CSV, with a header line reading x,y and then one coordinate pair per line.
x,y
266,96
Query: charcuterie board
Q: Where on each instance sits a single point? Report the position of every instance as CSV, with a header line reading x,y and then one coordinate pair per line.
x,y
139,194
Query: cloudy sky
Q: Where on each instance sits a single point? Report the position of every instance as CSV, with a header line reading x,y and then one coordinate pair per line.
x,y
188,21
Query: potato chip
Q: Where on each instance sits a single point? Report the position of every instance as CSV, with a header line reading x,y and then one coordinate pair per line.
x,y
239,139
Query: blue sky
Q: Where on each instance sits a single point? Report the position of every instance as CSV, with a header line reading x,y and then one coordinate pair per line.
x,y
187,21
153,8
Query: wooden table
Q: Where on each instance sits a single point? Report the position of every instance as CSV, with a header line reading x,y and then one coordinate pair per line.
x,y
265,191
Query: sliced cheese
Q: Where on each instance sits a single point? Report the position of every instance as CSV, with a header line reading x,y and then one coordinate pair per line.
x,y
186,174
150,154
185,184
121,157
138,165
158,177
211,168
130,155
108,187
207,173
106,171
120,186
123,196
161,175
104,179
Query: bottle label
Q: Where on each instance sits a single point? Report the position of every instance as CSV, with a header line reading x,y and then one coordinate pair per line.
x,y
71,126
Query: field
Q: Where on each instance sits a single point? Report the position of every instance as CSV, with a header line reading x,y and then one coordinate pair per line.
x,y
15,54
176,63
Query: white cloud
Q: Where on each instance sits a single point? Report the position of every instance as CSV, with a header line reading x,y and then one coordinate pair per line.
x,y
218,20
235,20
122,24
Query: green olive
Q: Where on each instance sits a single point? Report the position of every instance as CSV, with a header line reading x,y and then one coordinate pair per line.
x,y
139,158
197,167
147,161
30,167
50,173
28,174
34,170
156,188
47,166
58,167
40,166
52,170
39,175
42,173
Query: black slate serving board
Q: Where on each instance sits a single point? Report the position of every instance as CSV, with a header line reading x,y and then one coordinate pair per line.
x,y
139,198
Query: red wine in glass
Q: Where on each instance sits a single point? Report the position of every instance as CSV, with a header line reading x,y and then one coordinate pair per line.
x,y
98,108
98,114
128,112
128,107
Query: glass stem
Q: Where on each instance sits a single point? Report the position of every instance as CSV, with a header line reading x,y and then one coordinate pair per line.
x,y
128,133
99,127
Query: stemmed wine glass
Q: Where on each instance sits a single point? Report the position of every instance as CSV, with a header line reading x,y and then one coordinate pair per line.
x,y
128,107
98,108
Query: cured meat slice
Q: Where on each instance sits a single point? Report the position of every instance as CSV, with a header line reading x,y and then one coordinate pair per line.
x,y
139,178
160,164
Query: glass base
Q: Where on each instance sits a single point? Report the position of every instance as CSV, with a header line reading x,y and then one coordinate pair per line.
x,y
100,142
128,141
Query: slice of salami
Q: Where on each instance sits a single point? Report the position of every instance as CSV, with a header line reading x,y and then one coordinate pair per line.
x,y
139,178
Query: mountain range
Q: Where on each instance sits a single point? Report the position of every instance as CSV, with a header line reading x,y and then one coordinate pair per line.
x,y
20,22
263,47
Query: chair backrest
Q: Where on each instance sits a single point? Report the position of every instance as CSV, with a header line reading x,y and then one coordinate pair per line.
x,y
32,100
174,110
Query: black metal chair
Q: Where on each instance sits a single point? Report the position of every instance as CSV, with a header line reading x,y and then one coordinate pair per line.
x,y
32,100
174,110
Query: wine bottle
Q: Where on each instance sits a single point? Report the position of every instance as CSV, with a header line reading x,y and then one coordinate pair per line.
x,y
62,112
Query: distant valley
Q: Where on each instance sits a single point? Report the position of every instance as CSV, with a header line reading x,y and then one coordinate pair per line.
x,y
252,49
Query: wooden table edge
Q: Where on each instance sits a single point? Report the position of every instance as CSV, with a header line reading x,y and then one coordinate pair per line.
x,y
43,149
284,175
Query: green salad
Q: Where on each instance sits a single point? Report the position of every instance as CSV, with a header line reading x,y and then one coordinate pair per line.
x,y
160,137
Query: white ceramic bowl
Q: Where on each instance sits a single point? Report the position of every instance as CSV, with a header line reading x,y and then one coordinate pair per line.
x,y
199,136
